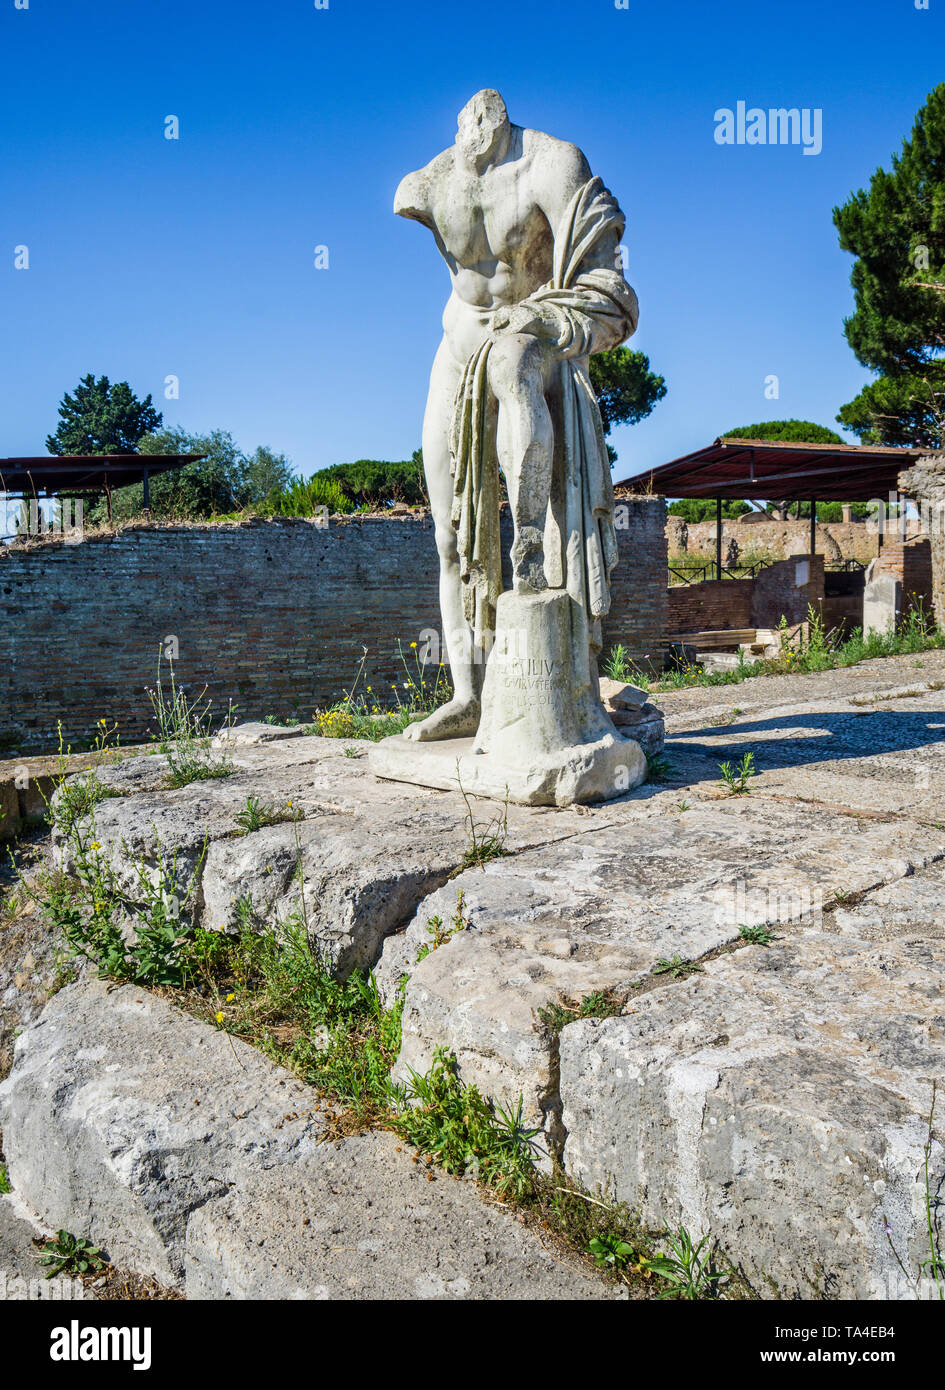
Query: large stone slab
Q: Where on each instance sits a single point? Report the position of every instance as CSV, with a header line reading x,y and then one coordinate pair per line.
x,y
122,1116
190,1157
881,751
598,910
366,852
364,1222
779,1102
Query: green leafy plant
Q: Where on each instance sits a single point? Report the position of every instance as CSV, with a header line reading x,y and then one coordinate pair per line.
x,y
185,733
369,715
438,934
756,936
934,1267
598,1004
69,1254
618,666
4,1180
462,1131
609,1251
255,815
486,839
676,966
688,1269
658,768
737,776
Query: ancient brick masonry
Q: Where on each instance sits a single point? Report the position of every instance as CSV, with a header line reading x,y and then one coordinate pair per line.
x,y
273,615
784,589
911,563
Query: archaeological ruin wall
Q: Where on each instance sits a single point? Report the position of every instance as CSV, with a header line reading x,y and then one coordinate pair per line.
x,y
271,614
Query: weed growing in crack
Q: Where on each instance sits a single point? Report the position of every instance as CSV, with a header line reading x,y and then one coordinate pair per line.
x,y
463,1131
600,1004
675,966
69,1254
439,934
658,768
689,1270
755,936
609,1251
932,1269
185,733
736,778
133,933
486,839
256,814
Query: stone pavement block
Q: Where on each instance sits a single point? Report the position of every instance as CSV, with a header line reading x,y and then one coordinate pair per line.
x,y
361,1221
189,1156
599,910
780,1102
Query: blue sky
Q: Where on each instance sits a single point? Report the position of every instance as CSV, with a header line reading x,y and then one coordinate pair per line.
x,y
151,257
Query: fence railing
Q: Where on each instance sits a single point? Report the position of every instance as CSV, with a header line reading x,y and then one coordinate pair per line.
x,y
701,573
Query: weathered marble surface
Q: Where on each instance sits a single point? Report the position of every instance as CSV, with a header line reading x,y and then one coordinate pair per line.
x,y
531,243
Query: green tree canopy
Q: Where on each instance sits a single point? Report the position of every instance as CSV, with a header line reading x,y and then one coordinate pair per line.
x,y
785,432
374,482
266,472
694,509
896,231
225,481
626,388
101,418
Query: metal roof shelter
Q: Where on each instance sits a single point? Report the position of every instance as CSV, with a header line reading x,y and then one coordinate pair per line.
x,y
783,472
50,475
778,471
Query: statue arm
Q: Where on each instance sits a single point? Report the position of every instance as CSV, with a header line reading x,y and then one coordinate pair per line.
x,y
600,279
414,199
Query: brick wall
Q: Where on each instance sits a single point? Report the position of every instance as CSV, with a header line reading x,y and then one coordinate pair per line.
x,y
707,607
759,602
911,563
777,592
270,614
639,606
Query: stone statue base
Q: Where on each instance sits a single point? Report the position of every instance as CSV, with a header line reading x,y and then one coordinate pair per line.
x,y
544,738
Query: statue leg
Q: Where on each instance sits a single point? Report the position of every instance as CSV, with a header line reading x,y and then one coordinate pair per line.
x,y
518,365
460,717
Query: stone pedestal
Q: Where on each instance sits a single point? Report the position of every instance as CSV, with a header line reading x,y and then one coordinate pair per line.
x,y
544,737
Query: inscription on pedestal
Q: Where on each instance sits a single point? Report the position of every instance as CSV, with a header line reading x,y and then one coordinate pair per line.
x,y
536,677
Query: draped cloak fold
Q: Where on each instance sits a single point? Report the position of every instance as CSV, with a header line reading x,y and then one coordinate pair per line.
x,y
594,308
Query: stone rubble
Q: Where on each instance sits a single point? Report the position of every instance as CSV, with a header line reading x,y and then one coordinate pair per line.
x,y
778,1097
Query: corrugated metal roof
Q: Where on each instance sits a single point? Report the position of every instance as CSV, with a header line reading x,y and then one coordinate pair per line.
x,y
780,471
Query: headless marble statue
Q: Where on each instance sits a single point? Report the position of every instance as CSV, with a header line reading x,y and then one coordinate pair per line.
x,y
531,243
